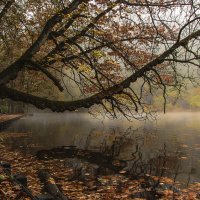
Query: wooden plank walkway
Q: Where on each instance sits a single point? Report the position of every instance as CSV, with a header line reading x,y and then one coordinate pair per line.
x,y
7,119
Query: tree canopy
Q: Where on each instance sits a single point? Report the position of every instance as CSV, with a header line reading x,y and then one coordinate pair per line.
x,y
116,53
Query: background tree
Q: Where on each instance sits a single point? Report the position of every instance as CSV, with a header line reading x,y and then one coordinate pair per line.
x,y
117,53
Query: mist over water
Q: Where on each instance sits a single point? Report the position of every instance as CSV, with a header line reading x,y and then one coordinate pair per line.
x,y
180,132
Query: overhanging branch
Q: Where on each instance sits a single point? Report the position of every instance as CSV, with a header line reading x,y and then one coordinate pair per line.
x,y
61,106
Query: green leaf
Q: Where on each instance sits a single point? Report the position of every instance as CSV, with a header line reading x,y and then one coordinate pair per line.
x,y
2,178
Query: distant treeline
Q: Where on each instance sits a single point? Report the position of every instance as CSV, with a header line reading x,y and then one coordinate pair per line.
x,y
188,100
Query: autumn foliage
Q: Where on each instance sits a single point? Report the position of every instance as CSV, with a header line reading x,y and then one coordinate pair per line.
x,y
102,49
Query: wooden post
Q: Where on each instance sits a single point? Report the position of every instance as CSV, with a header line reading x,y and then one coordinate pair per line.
x,y
6,166
20,178
50,186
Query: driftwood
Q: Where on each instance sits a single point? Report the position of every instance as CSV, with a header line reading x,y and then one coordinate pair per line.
x,y
50,186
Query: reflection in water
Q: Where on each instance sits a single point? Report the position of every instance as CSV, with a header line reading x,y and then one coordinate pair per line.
x,y
180,132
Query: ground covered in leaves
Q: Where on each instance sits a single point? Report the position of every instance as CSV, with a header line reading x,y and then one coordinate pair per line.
x,y
115,186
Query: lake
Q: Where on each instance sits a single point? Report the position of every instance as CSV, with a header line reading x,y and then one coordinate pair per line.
x,y
177,133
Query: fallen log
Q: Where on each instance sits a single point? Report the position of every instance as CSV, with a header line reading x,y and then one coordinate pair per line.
x,y
50,186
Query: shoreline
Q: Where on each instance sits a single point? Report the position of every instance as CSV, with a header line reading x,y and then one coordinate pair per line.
x,y
7,119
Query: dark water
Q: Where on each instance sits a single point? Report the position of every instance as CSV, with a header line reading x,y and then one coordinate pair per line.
x,y
179,132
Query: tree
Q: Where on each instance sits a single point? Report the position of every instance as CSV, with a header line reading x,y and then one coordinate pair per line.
x,y
117,52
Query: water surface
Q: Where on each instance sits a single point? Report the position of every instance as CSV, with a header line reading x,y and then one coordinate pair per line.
x,y
178,132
